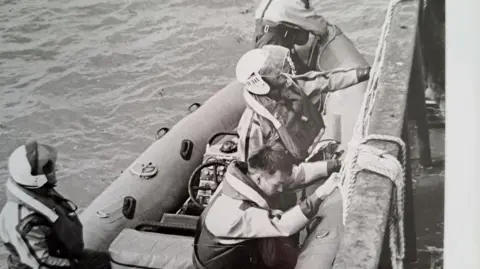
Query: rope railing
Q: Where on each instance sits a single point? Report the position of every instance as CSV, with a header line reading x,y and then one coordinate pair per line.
x,y
363,157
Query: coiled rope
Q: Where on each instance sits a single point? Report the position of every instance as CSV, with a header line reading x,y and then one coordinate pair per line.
x,y
362,157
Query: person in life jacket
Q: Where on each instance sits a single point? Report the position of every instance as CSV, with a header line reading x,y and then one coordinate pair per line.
x,y
240,229
288,23
282,106
39,227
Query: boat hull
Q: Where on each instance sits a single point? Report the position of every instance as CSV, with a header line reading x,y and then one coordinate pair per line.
x,y
342,107
167,190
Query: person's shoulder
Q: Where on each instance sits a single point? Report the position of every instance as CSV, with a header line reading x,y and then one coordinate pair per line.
x,y
8,210
223,213
224,205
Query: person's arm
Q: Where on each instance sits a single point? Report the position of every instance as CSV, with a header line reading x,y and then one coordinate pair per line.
x,y
307,172
252,222
256,222
34,231
333,80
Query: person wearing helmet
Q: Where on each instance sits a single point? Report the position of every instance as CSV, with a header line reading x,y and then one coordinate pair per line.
x,y
288,23
241,229
39,227
279,112
282,106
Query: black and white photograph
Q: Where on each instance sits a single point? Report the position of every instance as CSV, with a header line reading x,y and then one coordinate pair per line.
x,y
231,134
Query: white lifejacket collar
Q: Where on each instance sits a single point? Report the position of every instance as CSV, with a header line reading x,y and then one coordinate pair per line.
x,y
30,201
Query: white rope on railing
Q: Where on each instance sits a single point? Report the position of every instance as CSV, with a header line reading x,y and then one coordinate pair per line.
x,y
362,157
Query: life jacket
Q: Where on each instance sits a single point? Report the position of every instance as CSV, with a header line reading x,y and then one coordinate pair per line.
x,y
235,253
300,134
222,256
67,237
225,252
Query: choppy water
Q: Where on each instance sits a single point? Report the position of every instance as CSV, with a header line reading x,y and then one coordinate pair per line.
x,y
97,78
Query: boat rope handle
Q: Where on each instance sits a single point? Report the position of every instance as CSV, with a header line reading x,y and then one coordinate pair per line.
x,y
147,171
103,215
322,48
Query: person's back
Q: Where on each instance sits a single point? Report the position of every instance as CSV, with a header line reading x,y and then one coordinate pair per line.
x,y
279,110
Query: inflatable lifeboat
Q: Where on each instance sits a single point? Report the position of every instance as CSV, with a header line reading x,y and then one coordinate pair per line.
x,y
147,217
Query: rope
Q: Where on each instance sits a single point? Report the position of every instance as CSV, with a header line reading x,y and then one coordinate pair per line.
x,y
369,158
363,157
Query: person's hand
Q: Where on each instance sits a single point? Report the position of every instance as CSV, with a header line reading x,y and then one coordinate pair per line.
x,y
363,73
276,213
341,151
316,141
329,186
334,166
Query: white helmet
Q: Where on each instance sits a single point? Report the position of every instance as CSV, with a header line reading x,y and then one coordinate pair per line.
x,y
259,62
33,165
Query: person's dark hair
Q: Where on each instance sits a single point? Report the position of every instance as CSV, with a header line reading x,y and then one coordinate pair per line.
x,y
271,159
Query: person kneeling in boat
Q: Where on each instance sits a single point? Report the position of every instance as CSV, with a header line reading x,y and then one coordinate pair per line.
x,y
239,229
280,105
39,227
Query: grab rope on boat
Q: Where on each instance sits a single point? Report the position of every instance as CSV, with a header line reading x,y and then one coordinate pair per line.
x,y
146,170
361,157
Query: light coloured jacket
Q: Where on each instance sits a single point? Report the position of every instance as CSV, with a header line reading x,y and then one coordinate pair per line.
x,y
316,83
294,12
256,131
232,223
25,225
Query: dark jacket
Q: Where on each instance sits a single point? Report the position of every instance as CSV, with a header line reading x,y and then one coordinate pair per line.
x,y
40,231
